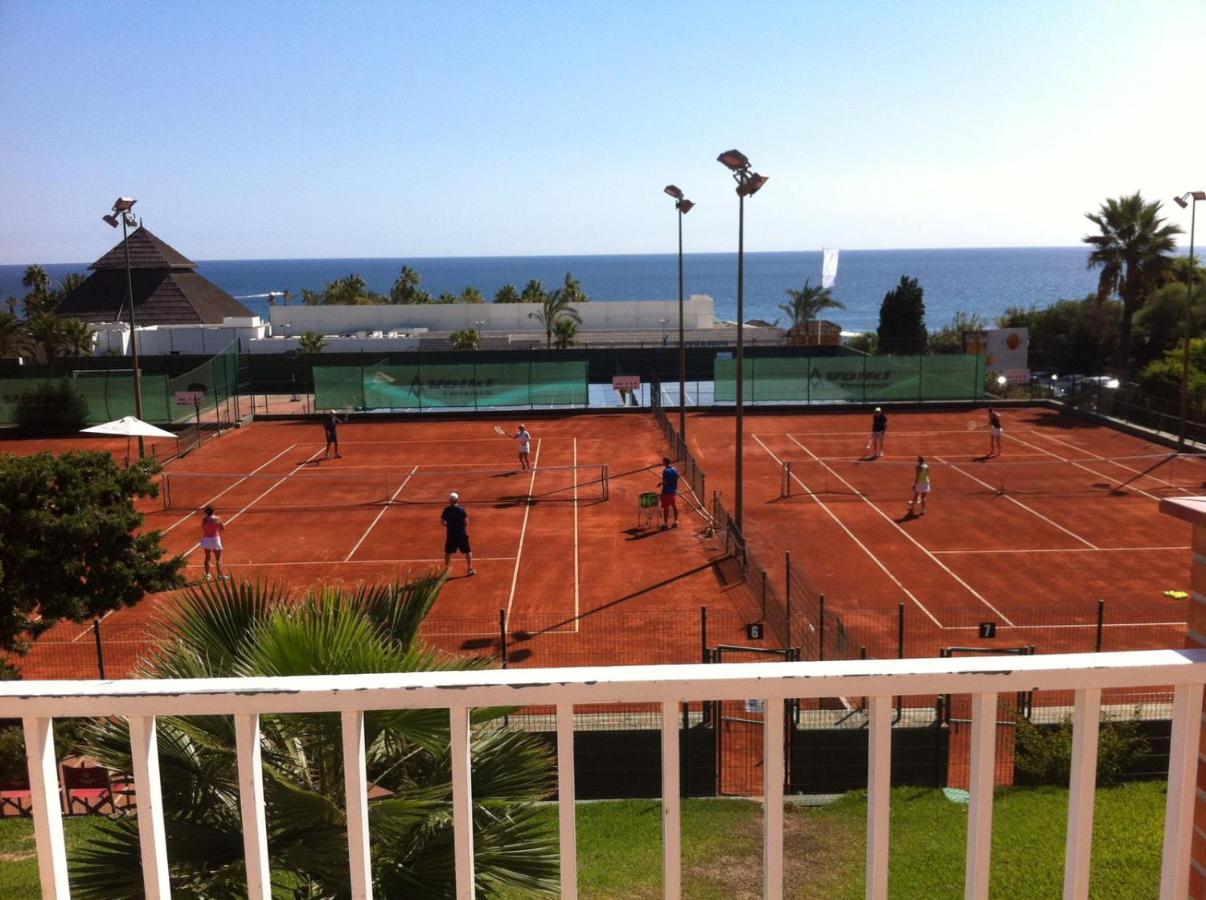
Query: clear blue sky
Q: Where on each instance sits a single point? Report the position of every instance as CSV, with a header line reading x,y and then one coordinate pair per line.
x,y
284,130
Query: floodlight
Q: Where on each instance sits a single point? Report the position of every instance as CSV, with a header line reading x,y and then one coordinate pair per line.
x,y
684,206
1181,201
751,185
1113,384
734,159
122,204
1002,380
111,219
674,192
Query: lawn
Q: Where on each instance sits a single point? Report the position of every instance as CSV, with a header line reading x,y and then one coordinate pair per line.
x,y
619,846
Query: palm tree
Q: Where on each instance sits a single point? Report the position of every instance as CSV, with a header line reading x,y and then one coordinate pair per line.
x,y
533,292
465,339
573,289
472,294
46,336
69,283
77,338
446,297
311,342
1132,252
564,332
406,287
508,293
36,279
554,308
251,630
14,341
807,302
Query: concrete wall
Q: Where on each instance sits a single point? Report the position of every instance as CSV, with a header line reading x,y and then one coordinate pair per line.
x,y
698,312
162,340
336,344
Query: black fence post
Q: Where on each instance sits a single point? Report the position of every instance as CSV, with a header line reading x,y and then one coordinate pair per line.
x,y
821,623
900,632
1100,625
502,636
787,592
703,634
100,649
764,595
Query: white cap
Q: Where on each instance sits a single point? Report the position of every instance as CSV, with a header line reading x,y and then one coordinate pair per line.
x,y
877,409
454,496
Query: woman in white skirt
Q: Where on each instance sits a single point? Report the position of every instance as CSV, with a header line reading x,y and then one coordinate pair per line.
x,y
211,540
921,484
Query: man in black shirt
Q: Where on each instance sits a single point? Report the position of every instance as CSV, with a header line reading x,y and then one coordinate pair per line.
x,y
456,522
879,427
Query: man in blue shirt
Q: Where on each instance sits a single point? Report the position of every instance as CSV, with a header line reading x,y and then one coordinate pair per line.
x,y
669,497
456,521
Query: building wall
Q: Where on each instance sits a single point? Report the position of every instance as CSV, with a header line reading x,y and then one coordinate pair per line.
x,y
698,312
163,340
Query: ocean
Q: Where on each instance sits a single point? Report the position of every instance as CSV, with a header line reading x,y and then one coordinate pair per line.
x,y
983,281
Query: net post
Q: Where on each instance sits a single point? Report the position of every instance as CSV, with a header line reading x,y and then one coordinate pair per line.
x,y
502,636
821,629
1100,624
100,649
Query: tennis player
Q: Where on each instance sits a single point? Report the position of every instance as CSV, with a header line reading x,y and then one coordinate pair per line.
x,y
524,437
921,484
879,428
211,540
331,427
456,523
669,496
994,424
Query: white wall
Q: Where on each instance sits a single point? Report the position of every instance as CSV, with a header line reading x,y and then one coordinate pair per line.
x,y
336,344
620,315
161,340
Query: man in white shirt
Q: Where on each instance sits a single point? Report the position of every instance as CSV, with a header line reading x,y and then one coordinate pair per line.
x,y
524,437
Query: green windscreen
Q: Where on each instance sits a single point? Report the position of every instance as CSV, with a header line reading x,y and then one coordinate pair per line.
x,y
442,386
852,379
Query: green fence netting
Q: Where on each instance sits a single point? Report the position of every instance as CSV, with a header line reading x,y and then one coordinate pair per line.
x,y
216,378
469,385
858,379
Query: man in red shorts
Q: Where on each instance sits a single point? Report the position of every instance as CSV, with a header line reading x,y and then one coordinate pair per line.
x,y
669,497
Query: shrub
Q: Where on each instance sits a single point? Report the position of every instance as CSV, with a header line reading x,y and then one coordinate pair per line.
x,y
1044,754
53,407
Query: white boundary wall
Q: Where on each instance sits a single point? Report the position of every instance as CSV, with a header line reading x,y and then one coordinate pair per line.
x,y
162,340
619,315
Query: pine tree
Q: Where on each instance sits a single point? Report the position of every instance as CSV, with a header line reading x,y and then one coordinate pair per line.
x,y
902,318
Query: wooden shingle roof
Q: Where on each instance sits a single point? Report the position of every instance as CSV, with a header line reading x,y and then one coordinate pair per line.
x,y
146,252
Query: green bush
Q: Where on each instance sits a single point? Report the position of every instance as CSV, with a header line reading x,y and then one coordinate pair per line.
x,y
53,407
1044,754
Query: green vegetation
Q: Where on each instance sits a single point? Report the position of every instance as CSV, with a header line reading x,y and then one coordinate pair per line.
x,y
229,629
619,847
555,308
902,319
407,289
1044,754
311,342
70,550
807,302
52,408
465,339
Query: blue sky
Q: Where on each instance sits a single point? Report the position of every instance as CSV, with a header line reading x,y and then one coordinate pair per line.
x,y
288,130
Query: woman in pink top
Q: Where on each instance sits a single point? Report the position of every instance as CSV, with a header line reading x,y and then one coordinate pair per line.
x,y
211,540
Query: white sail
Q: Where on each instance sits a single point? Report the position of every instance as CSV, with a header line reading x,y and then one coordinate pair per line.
x,y
829,266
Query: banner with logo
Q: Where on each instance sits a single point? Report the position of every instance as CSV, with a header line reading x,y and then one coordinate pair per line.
x,y
852,379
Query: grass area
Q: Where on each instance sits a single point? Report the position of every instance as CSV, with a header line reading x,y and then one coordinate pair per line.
x,y
620,846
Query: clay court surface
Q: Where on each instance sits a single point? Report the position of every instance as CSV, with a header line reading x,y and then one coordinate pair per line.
x,y
1029,540
574,575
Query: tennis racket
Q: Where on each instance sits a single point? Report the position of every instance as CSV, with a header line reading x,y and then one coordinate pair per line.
x,y
498,429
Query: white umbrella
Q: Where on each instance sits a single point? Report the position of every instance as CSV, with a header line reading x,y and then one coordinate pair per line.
x,y
128,427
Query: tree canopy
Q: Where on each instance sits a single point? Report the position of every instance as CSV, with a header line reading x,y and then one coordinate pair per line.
x,y
807,302
70,550
902,318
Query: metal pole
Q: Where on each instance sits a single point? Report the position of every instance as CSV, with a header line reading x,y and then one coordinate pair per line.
x,y
682,349
1100,625
502,636
739,473
1193,209
100,649
125,240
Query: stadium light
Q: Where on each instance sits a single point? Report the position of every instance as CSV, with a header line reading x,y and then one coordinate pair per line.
x,y
748,184
123,209
1189,199
682,206
1002,380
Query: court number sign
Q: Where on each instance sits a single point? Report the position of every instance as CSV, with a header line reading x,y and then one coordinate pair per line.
x,y
626,382
754,631
988,631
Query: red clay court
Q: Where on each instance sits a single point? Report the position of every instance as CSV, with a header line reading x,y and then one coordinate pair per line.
x,y
1029,540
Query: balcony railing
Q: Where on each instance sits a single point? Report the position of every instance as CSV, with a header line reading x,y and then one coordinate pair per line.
x,y
37,704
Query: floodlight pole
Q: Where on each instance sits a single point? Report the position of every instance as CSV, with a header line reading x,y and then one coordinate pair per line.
x,y
1191,272
125,239
682,349
739,472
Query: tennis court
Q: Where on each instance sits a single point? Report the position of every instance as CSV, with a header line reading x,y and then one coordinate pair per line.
x,y
1028,541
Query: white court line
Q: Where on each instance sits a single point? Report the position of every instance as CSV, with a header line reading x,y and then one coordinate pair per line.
x,y
1073,462
576,604
1106,459
377,518
232,487
1045,626
1070,550
337,562
842,525
524,530
446,440
912,539
865,432
275,485
1018,502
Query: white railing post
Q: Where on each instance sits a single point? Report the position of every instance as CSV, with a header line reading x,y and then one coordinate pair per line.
x,y
251,807
979,811
1082,787
879,793
47,808
672,873
1182,772
566,794
355,791
773,772
462,802
148,794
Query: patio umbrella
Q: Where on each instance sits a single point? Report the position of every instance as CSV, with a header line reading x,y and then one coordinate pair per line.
x,y
130,427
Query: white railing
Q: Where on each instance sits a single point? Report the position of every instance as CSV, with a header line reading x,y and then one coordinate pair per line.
x,y
38,703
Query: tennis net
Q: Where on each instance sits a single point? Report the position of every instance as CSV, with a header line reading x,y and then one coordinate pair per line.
x,y
308,488
1162,474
